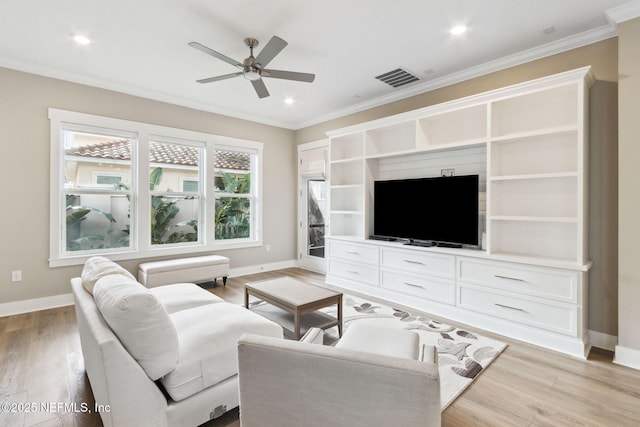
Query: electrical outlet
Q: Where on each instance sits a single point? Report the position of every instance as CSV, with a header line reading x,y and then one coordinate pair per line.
x,y
447,172
16,276
268,248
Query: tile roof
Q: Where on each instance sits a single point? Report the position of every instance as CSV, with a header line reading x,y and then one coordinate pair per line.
x,y
170,154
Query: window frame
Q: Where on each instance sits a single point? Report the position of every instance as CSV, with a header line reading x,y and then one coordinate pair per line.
x,y
253,195
141,246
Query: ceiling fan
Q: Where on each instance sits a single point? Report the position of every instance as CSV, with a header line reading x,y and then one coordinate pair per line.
x,y
253,68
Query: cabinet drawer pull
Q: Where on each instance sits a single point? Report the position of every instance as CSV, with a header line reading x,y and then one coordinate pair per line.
x,y
515,279
351,272
413,262
413,286
510,308
352,252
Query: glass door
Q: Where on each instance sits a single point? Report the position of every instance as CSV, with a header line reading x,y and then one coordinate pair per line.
x,y
312,204
312,225
316,205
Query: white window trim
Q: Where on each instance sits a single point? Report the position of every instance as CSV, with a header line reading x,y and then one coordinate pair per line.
x,y
144,133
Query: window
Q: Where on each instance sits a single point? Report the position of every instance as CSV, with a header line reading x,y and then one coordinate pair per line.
x,y
234,195
96,211
133,190
175,212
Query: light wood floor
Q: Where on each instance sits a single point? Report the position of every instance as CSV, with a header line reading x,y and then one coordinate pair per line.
x,y
41,361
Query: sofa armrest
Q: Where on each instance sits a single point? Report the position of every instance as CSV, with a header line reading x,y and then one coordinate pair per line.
x,y
429,354
313,336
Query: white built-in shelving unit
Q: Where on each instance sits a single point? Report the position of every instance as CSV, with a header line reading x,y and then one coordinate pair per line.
x,y
527,143
536,162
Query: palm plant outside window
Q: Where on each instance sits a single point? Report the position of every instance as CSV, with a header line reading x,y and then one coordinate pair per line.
x,y
234,196
175,211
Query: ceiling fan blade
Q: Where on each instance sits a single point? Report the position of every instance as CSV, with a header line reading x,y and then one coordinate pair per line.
x,y
203,48
218,78
271,49
260,88
289,75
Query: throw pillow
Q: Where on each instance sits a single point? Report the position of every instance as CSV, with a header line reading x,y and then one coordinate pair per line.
x,y
140,321
97,267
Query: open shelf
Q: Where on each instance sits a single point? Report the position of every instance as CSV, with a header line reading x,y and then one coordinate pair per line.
x,y
347,147
536,154
347,173
391,139
552,240
547,197
344,223
465,125
542,109
348,198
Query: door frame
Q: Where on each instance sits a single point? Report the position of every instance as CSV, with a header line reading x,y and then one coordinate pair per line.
x,y
304,260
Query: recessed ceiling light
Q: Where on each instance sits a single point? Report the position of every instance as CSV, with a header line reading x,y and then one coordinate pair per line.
x,y
289,100
81,39
458,29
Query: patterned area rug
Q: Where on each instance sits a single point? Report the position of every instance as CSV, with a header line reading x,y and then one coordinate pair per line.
x,y
462,355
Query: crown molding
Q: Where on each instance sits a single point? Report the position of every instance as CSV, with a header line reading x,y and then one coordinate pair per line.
x,y
624,12
552,48
57,74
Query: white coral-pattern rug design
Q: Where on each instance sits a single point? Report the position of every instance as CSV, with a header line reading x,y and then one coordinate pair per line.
x,y
462,355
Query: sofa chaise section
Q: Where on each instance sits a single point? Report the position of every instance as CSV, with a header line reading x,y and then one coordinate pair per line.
x,y
186,387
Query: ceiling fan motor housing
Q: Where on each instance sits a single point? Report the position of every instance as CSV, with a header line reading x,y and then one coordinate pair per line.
x,y
251,70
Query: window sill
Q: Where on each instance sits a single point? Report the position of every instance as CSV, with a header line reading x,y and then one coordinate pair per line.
x,y
156,252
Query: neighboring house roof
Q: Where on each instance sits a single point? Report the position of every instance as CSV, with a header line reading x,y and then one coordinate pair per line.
x,y
170,154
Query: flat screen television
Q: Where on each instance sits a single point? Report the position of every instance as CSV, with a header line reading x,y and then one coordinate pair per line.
x,y
440,210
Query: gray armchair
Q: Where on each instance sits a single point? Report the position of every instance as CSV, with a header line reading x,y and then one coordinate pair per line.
x,y
290,384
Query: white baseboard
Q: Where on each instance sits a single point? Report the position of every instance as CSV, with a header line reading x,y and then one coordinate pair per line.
x,y
627,357
253,269
36,304
600,340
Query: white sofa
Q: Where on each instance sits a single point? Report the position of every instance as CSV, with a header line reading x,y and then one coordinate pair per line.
x,y
165,356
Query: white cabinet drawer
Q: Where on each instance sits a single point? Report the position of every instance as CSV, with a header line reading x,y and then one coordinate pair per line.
x,y
441,265
562,285
436,289
348,251
545,314
366,274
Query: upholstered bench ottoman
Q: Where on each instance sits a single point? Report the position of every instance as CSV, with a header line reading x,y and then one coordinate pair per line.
x,y
194,269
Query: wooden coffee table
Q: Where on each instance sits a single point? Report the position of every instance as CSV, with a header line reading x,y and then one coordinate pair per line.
x,y
297,298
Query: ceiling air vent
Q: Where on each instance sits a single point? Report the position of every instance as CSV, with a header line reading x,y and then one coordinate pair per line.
x,y
398,77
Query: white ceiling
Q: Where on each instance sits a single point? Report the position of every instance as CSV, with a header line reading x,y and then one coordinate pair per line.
x,y
140,46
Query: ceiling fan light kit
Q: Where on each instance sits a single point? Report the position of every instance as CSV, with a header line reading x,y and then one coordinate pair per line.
x,y
253,67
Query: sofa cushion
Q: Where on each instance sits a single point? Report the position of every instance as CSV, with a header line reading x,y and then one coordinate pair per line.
x,y
372,338
96,267
183,296
209,337
140,321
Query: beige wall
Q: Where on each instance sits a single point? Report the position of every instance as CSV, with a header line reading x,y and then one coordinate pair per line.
x,y
603,208
629,185
603,59
24,168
